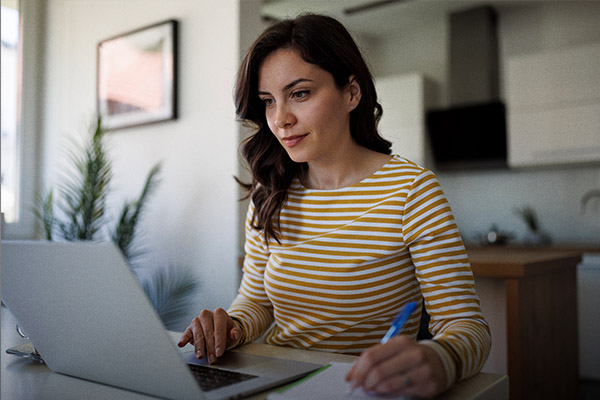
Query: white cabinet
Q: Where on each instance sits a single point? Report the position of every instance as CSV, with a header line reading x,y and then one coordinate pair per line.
x,y
553,102
404,99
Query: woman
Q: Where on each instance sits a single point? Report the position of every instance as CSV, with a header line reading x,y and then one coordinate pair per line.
x,y
339,233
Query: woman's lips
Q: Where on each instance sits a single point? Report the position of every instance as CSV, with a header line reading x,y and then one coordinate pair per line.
x,y
294,140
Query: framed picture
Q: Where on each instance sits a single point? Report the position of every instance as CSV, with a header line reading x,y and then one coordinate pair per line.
x,y
137,76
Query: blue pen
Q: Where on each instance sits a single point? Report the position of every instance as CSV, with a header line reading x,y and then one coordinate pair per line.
x,y
399,321
397,325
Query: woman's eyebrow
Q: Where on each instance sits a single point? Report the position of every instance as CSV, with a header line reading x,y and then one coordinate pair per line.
x,y
289,85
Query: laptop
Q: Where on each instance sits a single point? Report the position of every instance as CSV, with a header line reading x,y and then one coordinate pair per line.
x,y
84,311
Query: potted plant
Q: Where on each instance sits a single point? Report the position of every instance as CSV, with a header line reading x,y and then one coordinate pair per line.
x,y
535,236
76,210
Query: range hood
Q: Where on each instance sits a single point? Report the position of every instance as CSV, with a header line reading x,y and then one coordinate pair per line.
x,y
471,133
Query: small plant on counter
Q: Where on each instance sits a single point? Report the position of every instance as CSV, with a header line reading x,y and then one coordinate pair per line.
x,y
78,213
534,234
528,216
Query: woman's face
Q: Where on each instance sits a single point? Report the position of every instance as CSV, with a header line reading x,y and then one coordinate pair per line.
x,y
304,109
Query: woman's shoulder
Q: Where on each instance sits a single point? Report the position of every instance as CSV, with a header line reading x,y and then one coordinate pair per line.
x,y
399,164
403,173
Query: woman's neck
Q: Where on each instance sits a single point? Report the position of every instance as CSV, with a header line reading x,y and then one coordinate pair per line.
x,y
343,169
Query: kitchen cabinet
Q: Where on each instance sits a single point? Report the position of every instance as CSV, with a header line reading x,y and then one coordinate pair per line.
x,y
553,107
588,291
529,297
404,99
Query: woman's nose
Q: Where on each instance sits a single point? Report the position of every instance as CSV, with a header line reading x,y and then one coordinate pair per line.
x,y
284,118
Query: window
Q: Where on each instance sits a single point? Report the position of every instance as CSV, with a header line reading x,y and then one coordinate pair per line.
x,y
10,88
23,30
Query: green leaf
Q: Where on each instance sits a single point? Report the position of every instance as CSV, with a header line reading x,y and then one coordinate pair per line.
x,y
84,195
171,291
125,231
529,216
46,215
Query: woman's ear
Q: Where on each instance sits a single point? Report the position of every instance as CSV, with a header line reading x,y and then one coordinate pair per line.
x,y
354,92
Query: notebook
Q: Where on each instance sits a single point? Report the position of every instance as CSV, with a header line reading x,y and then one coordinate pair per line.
x,y
84,311
327,383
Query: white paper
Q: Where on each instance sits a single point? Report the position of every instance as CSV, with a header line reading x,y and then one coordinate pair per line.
x,y
328,384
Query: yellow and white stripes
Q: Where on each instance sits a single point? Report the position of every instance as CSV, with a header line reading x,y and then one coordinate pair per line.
x,y
350,258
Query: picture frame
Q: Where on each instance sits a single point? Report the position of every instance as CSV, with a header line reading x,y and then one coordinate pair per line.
x,y
137,76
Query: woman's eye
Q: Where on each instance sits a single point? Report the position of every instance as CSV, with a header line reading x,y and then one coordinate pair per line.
x,y
300,94
267,102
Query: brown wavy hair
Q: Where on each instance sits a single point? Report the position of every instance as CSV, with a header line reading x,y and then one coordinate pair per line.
x,y
322,41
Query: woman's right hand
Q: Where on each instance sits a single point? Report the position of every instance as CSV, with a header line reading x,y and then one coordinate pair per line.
x,y
212,332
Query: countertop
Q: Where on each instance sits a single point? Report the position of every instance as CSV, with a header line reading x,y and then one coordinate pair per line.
x,y
518,262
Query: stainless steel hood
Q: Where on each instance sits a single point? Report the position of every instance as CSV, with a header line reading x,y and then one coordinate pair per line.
x,y
473,73
471,133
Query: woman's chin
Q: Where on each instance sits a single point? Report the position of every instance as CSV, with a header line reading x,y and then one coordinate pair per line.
x,y
297,157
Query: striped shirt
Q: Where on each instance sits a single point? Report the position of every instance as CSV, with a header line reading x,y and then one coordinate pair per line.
x,y
350,258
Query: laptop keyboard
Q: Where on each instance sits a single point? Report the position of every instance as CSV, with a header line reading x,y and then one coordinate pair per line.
x,y
213,378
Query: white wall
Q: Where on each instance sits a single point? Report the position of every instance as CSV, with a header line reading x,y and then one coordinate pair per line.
x,y
479,198
193,218
251,26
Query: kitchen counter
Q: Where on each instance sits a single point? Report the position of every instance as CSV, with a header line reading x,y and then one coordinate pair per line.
x,y
529,297
518,262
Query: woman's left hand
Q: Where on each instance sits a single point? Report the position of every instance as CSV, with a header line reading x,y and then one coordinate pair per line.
x,y
402,366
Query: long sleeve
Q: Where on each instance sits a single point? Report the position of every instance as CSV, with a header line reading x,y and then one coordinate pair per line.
x,y
445,278
252,307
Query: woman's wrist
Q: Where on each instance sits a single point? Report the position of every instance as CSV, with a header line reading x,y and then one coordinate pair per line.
x,y
447,359
239,324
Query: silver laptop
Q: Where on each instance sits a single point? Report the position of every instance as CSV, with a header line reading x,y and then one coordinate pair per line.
x,y
84,311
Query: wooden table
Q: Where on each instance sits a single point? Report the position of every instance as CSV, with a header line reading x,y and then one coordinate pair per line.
x,y
540,296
